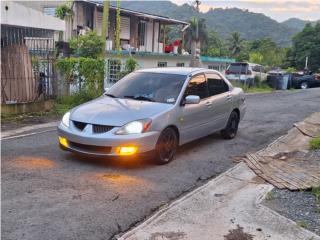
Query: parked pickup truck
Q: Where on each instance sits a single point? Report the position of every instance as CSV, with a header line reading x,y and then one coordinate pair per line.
x,y
306,81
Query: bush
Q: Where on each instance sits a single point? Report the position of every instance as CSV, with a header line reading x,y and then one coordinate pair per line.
x,y
89,71
130,65
65,103
89,45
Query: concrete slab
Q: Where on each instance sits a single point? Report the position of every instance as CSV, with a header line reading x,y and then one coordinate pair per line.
x,y
228,207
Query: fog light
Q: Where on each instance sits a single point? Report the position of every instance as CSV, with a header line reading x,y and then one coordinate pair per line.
x,y
63,141
130,150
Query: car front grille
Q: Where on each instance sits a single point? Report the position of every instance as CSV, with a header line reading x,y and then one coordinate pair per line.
x,y
101,128
79,125
96,128
90,148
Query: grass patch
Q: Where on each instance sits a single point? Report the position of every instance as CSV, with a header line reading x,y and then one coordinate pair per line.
x,y
316,192
259,88
16,118
315,143
269,196
302,224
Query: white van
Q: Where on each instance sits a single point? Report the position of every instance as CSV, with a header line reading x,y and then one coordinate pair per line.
x,y
245,72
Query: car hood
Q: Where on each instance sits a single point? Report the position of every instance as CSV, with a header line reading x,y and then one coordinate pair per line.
x,y
116,111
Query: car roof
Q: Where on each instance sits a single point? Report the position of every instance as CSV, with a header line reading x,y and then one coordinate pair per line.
x,y
175,70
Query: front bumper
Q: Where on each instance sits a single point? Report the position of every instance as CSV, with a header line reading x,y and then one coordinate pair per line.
x,y
106,144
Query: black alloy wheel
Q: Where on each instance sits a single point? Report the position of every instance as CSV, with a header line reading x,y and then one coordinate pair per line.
x,y
232,126
166,146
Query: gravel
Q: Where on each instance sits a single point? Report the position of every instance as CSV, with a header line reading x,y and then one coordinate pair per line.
x,y
299,206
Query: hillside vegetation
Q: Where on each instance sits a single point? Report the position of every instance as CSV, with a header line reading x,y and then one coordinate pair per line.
x,y
250,25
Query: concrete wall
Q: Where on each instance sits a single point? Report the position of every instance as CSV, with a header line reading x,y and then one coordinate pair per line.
x,y
11,109
15,14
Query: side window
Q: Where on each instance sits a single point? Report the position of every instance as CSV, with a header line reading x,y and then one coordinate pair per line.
x,y
197,86
216,84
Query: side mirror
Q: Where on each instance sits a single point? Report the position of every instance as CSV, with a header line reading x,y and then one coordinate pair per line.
x,y
192,99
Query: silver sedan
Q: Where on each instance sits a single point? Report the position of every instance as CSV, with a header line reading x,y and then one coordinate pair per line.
x,y
152,112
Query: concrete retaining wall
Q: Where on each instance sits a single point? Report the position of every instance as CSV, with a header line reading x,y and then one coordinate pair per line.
x,y
43,106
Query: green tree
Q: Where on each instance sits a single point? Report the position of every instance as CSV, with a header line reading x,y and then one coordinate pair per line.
x,y
256,57
215,46
306,44
235,44
88,45
190,35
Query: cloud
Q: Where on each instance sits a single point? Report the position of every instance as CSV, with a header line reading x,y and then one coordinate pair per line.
x,y
277,9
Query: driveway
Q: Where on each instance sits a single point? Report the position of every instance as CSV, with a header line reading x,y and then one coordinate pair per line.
x,y
50,194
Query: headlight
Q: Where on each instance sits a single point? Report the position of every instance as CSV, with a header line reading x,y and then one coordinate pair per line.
x,y
138,126
65,119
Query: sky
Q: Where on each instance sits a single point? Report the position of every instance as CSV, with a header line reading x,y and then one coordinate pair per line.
x,y
279,10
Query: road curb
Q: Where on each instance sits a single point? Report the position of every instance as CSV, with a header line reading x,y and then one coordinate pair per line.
x,y
20,132
213,210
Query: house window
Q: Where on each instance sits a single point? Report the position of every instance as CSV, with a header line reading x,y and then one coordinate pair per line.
x,y
125,28
49,11
142,33
180,64
213,67
162,64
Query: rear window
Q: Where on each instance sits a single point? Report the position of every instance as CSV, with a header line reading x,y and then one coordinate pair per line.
x,y
238,68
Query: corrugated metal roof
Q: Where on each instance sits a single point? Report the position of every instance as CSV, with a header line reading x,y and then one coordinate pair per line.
x,y
217,59
142,14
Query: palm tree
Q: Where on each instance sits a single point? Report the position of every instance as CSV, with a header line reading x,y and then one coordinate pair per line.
x,y
235,44
192,39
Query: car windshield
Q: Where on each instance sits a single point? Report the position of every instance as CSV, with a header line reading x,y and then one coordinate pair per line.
x,y
146,86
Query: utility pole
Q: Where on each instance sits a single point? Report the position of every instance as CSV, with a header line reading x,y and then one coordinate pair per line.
x,y
306,64
198,11
195,45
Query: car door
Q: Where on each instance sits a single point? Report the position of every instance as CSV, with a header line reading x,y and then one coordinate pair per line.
x,y
195,117
221,101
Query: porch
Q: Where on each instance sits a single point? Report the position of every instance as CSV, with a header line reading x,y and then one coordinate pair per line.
x,y
139,32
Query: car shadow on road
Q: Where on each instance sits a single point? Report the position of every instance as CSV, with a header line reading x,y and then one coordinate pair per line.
x,y
199,143
141,162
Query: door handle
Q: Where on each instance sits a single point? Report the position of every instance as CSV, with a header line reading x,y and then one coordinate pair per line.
x,y
208,104
229,97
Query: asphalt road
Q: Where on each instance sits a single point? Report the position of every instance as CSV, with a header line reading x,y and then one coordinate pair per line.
x,y
50,194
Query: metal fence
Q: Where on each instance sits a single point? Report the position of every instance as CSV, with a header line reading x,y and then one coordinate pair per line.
x,y
113,71
27,57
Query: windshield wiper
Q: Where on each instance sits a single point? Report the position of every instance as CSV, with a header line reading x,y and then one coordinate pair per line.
x,y
143,98
110,95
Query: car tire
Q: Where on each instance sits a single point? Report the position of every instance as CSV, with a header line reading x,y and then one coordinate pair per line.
x,y
232,126
166,146
304,85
